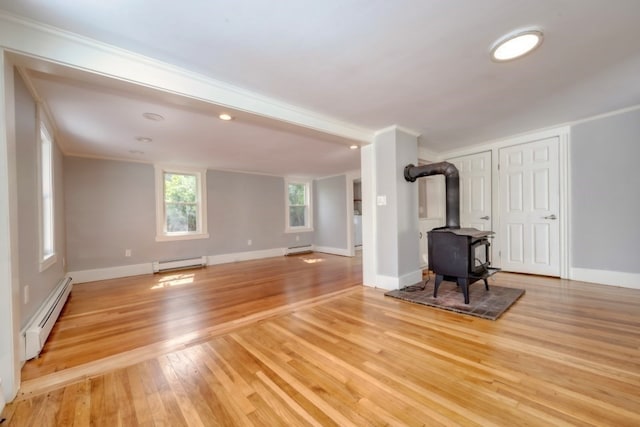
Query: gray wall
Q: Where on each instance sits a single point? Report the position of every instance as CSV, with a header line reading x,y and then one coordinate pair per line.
x,y
246,206
386,227
110,207
330,212
396,222
41,284
407,206
605,199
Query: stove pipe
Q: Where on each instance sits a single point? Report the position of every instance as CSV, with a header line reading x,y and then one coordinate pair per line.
x,y
452,186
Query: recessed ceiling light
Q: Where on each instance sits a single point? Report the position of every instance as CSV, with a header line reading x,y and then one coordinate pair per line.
x,y
136,152
353,147
516,44
143,139
225,117
153,116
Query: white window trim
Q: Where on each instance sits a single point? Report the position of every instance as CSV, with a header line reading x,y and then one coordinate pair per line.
x,y
309,226
46,260
201,177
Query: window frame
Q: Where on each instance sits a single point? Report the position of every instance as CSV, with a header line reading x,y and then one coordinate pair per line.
x,y
47,255
308,204
201,222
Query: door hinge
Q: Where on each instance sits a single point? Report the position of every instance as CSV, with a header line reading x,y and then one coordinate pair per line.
x,y
498,166
500,254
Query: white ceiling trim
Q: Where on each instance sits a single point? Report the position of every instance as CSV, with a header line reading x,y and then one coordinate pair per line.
x,y
38,40
604,115
397,128
153,164
428,155
534,135
43,106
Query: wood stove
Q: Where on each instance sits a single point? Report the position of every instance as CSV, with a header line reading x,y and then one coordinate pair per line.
x,y
460,255
455,254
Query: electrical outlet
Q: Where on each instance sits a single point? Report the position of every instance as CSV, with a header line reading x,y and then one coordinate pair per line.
x,y
26,294
249,242
127,252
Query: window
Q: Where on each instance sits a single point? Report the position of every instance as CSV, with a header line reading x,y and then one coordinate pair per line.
x,y
181,208
298,203
47,241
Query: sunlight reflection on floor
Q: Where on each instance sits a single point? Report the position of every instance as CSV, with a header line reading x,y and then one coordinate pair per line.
x,y
174,280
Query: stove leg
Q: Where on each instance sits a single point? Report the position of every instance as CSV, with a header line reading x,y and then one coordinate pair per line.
x,y
439,278
464,284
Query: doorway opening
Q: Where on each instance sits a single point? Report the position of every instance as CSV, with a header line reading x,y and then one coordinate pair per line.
x,y
357,214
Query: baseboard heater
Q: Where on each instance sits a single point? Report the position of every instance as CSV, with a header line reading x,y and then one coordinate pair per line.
x,y
179,264
37,332
297,250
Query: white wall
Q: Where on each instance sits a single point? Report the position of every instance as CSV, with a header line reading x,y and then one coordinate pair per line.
x,y
330,217
390,211
605,199
386,215
40,283
9,285
369,215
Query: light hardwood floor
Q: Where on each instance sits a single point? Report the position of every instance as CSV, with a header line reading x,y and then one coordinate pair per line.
x,y
297,341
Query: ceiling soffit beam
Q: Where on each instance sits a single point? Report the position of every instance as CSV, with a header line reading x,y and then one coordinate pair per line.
x,y
34,39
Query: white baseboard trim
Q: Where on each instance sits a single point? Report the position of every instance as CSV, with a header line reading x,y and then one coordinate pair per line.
x,y
83,276
392,283
605,277
2,400
244,256
332,251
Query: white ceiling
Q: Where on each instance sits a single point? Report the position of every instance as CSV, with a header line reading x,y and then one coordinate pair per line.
x,y
420,64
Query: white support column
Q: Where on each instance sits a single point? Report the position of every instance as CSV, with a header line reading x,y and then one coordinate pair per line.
x,y
390,212
368,189
9,289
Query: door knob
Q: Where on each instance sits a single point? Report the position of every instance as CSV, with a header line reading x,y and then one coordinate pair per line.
x,y
484,217
552,216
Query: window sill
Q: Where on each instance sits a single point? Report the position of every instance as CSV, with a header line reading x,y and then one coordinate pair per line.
x,y
176,237
299,230
48,262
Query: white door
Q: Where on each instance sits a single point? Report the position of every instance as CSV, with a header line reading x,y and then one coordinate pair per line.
x,y
475,190
431,210
529,207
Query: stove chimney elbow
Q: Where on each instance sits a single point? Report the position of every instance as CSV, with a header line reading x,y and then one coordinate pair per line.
x,y
450,170
452,186
411,172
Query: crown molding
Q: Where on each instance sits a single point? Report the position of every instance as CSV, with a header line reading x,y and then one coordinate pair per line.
x,y
43,42
399,129
508,141
605,115
427,154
